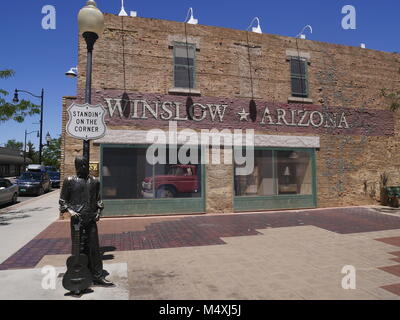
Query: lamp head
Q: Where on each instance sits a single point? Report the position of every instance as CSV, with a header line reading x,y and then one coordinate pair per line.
x,y
192,20
72,73
258,28
91,19
15,99
122,13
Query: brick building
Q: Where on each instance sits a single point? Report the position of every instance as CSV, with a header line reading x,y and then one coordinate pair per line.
x,y
323,132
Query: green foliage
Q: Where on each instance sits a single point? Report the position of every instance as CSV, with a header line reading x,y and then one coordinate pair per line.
x,y
13,144
6,73
393,97
31,153
52,153
16,112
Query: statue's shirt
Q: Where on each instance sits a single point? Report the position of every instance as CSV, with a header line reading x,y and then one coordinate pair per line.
x,y
80,194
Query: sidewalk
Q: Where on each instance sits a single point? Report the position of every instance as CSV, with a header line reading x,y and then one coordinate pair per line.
x,y
24,221
296,254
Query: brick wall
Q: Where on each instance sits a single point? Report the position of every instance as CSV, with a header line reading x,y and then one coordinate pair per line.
x,y
134,55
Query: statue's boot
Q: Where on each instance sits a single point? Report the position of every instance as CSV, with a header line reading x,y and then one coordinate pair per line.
x,y
103,282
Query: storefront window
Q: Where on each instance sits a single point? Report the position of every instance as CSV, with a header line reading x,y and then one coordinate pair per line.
x,y
294,172
261,181
126,174
277,173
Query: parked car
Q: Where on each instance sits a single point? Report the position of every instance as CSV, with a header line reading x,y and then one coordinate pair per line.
x,y
31,182
180,179
50,169
36,168
8,191
54,178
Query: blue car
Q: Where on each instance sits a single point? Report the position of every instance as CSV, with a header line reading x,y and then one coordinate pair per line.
x,y
54,178
34,183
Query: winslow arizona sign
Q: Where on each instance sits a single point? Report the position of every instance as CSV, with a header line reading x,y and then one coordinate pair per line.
x,y
156,110
86,121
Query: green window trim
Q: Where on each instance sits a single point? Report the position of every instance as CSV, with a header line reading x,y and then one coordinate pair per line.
x,y
192,68
299,76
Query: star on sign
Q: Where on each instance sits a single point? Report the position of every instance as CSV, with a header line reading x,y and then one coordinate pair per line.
x,y
243,115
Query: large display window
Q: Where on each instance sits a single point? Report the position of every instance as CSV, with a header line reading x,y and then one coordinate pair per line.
x,y
129,177
281,178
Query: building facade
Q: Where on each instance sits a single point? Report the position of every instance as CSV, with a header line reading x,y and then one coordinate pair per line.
x,y
12,162
323,132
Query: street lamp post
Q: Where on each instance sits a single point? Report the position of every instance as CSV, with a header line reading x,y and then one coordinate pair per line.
x,y
48,138
91,25
16,100
26,133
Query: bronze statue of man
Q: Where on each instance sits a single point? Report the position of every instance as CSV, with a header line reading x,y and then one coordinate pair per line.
x,y
80,196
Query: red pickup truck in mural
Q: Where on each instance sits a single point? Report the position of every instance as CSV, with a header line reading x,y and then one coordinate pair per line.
x,y
180,180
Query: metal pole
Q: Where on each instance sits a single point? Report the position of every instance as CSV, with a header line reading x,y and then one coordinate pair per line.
x,y
90,38
41,127
25,152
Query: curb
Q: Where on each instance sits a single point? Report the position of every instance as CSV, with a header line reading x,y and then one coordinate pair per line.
x,y
15,206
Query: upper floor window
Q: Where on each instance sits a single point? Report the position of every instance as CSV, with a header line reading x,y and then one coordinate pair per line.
x,y
299,77
184,65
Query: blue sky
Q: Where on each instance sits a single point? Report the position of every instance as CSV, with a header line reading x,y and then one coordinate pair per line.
x,y
41,57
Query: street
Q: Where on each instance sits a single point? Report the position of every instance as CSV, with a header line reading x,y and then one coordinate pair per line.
x,y
22,199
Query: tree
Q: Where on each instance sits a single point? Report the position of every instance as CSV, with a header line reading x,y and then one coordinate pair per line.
x,y
16,112
52,153
13,144
31,153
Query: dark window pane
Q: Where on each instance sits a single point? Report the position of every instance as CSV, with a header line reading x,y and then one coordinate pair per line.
x,y
261,181
181,51
294,172
299,87
181,76
298,66
184,61
126,174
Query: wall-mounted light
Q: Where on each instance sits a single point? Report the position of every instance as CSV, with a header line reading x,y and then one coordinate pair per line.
x,y
192,20
122,13
256,29
72,73
301,35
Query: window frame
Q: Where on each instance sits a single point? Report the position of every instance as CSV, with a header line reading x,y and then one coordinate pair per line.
x,y
193,68
300,77
278,201
153,206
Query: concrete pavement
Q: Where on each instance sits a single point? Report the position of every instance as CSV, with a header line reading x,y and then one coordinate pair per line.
x,y
297,254
22,222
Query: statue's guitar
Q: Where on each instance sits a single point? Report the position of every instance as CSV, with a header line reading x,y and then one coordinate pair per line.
x,y
78,276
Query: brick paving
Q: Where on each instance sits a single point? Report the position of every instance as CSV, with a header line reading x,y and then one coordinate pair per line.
x,y
393,288
394,269
125,234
